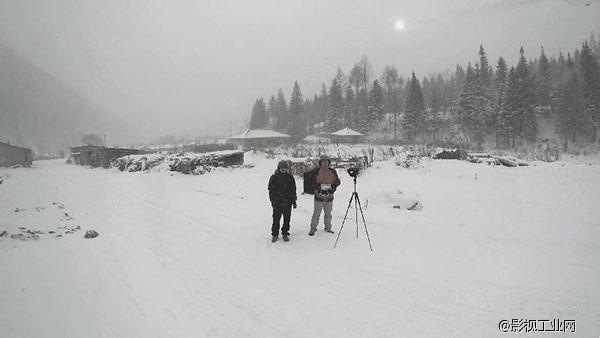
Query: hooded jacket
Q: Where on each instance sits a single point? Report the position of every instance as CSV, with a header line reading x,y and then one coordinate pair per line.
x,y
282,189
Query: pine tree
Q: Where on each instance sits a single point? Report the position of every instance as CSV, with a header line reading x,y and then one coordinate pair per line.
x,y
473,105
390,80
499,108
355,79
509,116
259,118
282,118
544,85
571,110
433,121
366,71
341,78
527,121
349,119
413,119
597,50
272,112
308,111
311,106
485,72
590,88
297,125
442,93
426,89
376,106
595,46
335,110
320,109
562,64
359,79
458,84
501,77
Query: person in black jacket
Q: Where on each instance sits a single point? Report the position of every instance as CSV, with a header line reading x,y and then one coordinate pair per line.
x,y
282,193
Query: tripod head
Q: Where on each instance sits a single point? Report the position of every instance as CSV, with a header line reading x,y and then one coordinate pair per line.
x,y
353,172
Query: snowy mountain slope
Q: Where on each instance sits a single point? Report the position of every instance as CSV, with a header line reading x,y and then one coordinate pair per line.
x,y
39,111
188,256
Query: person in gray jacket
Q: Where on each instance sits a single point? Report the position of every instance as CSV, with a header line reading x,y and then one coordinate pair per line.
x,y
323,181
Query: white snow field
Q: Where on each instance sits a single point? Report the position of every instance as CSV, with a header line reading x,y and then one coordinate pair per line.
x,y
190,256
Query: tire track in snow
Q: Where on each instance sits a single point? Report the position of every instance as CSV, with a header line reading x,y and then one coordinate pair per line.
x,y
237,303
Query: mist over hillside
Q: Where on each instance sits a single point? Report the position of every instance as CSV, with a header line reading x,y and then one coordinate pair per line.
x,y
39,111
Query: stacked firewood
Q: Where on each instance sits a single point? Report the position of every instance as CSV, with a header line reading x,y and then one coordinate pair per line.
x,y
186,163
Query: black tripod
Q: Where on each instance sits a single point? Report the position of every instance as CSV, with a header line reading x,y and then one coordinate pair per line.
x,y
357,206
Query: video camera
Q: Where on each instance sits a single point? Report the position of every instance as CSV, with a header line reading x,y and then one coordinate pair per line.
x,y
353,172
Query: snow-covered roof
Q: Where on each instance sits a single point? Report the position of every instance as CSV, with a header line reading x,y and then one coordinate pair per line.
x,y
259,133
346,132
238,136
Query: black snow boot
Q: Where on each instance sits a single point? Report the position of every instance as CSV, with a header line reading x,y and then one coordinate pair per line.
x,y
274,239
286,238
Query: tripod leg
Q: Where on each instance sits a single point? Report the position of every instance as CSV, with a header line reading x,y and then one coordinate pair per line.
x,y
344,221
356,215
364,222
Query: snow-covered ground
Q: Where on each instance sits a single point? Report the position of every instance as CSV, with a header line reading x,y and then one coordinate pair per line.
x,y
190,256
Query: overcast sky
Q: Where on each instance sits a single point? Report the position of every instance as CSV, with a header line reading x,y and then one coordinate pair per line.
x,y
186,67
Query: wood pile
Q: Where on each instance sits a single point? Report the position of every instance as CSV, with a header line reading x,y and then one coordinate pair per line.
x,y
186,163
495,160
449,154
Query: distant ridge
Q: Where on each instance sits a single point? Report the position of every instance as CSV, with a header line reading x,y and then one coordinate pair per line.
x,y
40,112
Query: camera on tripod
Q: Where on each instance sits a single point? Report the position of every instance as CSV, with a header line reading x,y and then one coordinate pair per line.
x,y
353,172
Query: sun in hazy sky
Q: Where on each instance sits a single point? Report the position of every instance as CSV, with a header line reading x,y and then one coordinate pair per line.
x,y
400,25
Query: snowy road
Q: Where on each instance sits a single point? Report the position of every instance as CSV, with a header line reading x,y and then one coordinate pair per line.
x,y
190,256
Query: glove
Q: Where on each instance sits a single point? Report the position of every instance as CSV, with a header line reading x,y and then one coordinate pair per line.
x,y
294,205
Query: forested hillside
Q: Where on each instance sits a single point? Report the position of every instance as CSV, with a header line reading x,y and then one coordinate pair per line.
x,y
39,111
482,104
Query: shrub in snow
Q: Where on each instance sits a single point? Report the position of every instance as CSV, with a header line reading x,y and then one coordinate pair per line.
x,y
408,160
91,234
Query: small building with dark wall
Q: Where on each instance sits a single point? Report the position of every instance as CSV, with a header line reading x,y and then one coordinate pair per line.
x,y
98,156
321,138
11,155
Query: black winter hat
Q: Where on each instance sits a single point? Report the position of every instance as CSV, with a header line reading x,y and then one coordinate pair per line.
x,y
282,164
